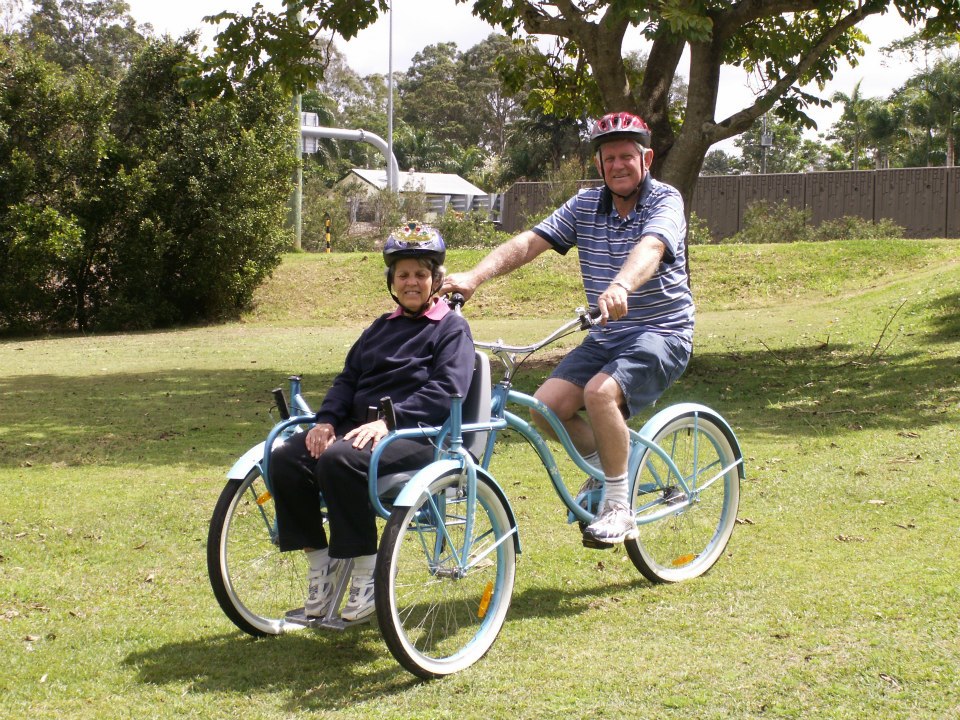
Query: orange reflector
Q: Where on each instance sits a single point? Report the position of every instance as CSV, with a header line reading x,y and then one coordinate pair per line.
x,y
485,600
264,498
683,560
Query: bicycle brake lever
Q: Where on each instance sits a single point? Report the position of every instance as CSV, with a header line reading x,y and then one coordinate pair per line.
x,y
589,317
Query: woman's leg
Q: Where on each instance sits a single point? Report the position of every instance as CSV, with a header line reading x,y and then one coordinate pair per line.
x,y
296,496
342,474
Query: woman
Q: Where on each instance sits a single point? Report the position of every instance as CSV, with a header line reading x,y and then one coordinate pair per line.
x,y
419,355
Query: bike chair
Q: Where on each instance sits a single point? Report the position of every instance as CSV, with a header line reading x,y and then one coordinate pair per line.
x,y
476,408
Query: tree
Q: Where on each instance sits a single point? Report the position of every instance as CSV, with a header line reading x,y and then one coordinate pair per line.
x,y
720,162
789,44
849,129
10,15
493,105
936,104
135,204
99,34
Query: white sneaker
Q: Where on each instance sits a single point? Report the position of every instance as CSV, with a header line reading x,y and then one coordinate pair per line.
x,y
360,604
613,524
322,588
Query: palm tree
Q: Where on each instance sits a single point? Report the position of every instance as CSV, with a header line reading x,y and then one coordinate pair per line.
x,y
850,127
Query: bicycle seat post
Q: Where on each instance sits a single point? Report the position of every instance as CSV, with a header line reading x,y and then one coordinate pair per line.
x,y
456,423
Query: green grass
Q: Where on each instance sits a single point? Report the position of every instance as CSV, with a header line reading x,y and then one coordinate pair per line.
x,y
837,365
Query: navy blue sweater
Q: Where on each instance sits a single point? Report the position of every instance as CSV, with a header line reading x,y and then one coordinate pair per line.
x,y
419,362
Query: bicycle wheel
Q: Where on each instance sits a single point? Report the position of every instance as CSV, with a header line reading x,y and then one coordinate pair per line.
x,y
682,537
253,581
442,592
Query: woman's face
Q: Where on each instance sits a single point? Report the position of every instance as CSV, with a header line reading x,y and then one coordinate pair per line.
x,y
412,284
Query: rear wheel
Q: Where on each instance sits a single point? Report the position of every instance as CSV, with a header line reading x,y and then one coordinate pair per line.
x,y
253,581
684,527
443,587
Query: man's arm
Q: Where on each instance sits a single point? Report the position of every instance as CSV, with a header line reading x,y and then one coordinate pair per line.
x,y
515,252
641,265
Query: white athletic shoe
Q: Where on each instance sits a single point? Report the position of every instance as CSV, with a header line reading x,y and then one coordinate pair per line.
x,y
613,524
360,604
321,588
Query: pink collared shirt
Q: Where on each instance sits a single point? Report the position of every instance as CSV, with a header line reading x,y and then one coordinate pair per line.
x,y
437,311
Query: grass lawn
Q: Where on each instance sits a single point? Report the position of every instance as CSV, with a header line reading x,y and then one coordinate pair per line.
x,y
837,364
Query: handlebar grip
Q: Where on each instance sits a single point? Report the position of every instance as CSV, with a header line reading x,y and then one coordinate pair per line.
x,y
456,301
389,415
281,403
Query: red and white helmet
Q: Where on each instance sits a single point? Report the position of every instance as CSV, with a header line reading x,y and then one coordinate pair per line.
x,y
619,126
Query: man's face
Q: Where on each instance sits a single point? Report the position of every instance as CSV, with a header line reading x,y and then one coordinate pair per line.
x,y
623,165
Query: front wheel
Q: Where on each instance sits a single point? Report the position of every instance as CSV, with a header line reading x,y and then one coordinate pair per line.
x,y
444,576
685,526
253,581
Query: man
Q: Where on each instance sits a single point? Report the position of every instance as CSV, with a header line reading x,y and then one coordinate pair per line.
x,y
631,240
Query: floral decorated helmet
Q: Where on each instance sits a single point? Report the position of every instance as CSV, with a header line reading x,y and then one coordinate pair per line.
x,y
414,240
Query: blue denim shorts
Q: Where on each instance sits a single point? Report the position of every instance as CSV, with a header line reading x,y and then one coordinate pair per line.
x,y
643,365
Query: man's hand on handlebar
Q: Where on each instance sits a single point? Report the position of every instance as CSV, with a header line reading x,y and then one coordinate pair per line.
x,y
613,303
462,282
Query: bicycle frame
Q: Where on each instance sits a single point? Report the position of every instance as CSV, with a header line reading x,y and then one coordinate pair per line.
x,y
447,562
504,395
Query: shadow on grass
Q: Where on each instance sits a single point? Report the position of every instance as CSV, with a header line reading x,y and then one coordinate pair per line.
x,y
323,669
810,390
946,320
205,419
183,417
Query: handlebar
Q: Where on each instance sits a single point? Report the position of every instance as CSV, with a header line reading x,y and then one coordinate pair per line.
x,y
389,414
586,319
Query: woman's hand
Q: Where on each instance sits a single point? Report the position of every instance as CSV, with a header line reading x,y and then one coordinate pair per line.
x,y
371,432
319,438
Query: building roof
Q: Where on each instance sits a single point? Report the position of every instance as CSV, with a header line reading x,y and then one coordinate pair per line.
x,y
429,183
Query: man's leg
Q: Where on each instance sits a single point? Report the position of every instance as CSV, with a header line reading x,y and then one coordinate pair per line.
x,y
604,402
566,400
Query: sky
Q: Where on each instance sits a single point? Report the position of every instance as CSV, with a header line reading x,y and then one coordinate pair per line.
x,y
418,23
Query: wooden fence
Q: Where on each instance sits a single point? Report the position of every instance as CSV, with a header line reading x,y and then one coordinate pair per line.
x,y
924,201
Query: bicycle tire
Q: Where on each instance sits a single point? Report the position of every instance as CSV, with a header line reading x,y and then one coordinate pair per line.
x,y
439,615
686,543
254,583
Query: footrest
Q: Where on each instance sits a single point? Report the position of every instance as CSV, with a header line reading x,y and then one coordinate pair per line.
x,y
300,617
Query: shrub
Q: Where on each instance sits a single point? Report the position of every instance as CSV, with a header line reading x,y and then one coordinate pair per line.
x,y
767,222
468,230
851,227
158,208
319,203
698,233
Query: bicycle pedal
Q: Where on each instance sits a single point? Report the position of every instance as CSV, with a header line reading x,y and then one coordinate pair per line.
x,y
594,544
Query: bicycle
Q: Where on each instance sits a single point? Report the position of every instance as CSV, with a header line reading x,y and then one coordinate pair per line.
x,y
447,560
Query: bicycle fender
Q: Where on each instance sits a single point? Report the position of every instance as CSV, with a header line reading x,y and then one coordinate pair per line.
x,y
417,486
247,462
679,410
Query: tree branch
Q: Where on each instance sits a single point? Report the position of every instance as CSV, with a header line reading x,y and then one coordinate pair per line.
x,y
742,120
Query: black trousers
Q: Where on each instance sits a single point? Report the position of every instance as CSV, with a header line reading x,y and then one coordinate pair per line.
x,y
340,473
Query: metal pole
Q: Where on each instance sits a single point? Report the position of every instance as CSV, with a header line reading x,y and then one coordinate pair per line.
x,y
295,216
390,177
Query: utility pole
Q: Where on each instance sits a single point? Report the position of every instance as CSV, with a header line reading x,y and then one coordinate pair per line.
x,y
390,178
294,214
766,142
